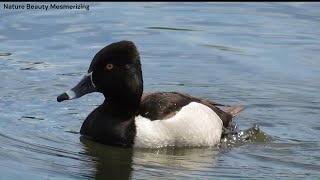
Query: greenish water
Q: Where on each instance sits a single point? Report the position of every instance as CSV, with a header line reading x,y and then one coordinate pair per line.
x,y
261,55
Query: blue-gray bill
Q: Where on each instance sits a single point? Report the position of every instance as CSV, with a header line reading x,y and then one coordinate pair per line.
x,y
85,86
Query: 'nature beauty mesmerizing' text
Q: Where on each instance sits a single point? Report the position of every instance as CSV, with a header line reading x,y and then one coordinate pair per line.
x,y
45,6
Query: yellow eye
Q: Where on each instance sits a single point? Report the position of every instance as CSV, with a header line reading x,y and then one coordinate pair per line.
x,y
109,66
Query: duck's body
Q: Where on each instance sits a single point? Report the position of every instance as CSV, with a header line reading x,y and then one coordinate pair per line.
x,y
129,118
193,125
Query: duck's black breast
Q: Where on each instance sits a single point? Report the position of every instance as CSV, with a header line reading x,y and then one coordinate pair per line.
x,y
161,105
108,126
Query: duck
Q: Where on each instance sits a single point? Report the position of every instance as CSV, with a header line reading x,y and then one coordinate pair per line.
x,y
128,117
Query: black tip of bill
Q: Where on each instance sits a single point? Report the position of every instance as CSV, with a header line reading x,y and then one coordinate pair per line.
x,y
85,86
62,97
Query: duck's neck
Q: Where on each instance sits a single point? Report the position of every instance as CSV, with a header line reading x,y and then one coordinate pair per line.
x,y
124,105
124,97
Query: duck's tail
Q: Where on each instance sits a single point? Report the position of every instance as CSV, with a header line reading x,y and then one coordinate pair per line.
x,y
234,110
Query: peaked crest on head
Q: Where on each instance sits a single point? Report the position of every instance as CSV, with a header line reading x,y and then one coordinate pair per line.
x,y
119,53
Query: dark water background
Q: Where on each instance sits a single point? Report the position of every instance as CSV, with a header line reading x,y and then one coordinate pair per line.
x,y
261,55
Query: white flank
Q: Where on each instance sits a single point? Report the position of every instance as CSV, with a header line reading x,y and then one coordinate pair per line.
x,y
194,125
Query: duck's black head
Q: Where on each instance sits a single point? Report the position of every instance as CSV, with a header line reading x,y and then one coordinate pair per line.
x,y
114,71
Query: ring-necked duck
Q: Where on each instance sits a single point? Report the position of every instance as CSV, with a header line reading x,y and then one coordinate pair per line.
x,y
129,118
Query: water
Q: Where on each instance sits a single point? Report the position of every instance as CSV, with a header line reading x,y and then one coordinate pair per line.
x,y
261,55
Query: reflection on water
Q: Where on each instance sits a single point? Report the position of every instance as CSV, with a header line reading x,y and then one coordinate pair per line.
x,y
221,48
5,54
110,162
174,162
261,55
171,28
98,161
119,163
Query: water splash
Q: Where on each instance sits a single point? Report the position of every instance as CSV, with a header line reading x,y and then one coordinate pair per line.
x,y
235,137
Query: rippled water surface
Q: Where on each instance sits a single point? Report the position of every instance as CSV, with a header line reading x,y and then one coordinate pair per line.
x,y
261,55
